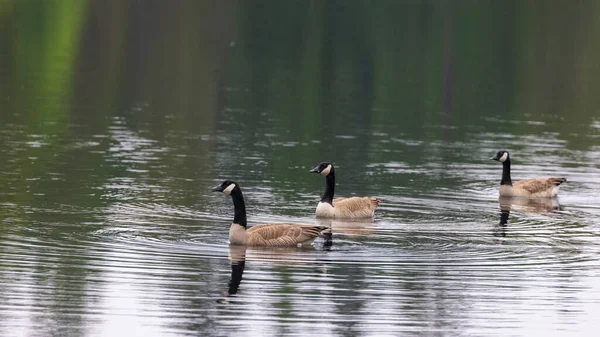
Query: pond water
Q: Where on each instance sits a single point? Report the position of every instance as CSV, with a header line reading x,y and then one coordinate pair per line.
x,y
117,117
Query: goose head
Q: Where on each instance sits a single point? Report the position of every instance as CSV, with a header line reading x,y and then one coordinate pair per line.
x,y
226,187
501,156
323,168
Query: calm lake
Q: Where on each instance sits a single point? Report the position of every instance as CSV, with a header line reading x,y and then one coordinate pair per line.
x,y
117,117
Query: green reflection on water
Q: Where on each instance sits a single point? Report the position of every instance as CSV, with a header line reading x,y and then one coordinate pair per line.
x,y
202,86
319,77
317,66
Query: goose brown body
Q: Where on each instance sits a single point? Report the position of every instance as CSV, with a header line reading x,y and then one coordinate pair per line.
x,y
274,235
528,188
533,188
343,208
269,235
355,207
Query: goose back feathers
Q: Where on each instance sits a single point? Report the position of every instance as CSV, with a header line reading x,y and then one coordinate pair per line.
x,y
533,188
354,207
271,235
528,188
274,235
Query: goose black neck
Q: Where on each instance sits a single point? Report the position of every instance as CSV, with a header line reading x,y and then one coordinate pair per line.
x,y
329,187
239,207
506,173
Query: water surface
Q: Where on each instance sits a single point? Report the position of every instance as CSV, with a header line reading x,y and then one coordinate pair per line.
x,y
117,117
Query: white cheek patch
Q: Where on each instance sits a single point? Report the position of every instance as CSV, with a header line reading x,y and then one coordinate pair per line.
x,y
229,189
326,171
504,157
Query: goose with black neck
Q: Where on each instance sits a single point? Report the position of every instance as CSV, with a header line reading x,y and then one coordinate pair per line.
x,y
270,235
528,188
341,208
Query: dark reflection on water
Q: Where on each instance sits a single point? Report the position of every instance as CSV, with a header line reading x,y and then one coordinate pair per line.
x,y
539,205
237,257
116,117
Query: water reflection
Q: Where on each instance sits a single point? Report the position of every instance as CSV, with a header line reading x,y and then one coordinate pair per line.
x,y
347,226
237,258
536,205
274,256
109,143
527,205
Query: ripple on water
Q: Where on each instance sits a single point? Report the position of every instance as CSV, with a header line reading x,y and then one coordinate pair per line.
x,y
441,249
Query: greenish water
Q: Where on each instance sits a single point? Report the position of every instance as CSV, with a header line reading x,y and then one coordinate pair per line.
x,y
116,118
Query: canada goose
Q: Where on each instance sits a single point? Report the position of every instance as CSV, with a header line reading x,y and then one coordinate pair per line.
x,y
529,188
272,235
354,207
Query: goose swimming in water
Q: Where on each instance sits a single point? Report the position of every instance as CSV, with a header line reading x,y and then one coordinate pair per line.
x,y
354,207
529,188
271,235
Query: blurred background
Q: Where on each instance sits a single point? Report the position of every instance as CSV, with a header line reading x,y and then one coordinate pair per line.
x,y
117,116
296,72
